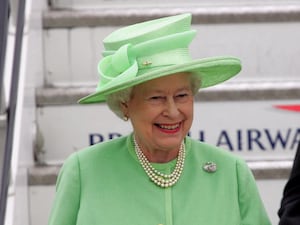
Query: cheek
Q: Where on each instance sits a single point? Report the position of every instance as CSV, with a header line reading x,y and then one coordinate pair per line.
x,y
192,110
142,124
148,116
189,117
189,109
141,115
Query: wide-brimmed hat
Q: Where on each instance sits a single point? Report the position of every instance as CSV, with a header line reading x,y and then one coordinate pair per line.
x,y
153,49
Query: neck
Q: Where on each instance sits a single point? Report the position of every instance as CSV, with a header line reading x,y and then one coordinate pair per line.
x,y
158,156
159,178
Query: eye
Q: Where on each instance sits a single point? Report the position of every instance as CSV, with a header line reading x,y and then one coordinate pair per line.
x,y
182,97
156,99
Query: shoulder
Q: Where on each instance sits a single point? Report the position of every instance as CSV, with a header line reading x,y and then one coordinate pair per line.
x,y
101,151
225,160
104,148
205,149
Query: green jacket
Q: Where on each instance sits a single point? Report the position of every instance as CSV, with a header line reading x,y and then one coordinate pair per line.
x,y
105,184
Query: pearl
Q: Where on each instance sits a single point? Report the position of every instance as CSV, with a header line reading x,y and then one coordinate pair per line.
x,y
157,177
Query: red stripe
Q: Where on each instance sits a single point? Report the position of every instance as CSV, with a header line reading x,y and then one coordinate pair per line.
x,y
294,108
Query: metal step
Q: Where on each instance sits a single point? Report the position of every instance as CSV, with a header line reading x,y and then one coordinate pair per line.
x,y
103,4
261,35
250,132
77,36
264,82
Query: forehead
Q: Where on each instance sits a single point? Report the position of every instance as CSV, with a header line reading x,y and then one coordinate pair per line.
x,y
170,82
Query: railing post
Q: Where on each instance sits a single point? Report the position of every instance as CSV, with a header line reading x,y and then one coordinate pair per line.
x,y
11,111
4,14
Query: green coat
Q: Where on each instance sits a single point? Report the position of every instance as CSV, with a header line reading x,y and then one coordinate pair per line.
x,y
106,185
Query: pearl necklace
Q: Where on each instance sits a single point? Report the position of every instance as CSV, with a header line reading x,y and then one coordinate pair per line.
x,y
161,179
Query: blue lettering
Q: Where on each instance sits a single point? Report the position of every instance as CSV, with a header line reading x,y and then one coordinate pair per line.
x,y
95,138
226,140
201,135
253,137
278,138
114,135
239,140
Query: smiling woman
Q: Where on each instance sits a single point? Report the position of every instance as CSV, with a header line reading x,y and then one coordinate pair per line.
x,y
161,115
156,174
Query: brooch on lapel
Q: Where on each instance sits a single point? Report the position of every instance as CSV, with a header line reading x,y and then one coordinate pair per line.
x,y
210,167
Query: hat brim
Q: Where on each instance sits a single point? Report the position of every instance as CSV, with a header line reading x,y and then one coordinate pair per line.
x,y
211,71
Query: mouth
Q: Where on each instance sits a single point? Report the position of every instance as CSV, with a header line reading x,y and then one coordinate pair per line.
x,y
168,128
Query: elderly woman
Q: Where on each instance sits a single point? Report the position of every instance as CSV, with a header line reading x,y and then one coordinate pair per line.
x,y
156,175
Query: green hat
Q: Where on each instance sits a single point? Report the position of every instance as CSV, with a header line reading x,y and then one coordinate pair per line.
x,y
153,49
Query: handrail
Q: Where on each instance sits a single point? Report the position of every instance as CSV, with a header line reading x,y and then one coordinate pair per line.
x,y
4,14
259,13
11,111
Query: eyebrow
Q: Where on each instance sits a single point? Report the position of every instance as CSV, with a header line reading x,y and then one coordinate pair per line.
x,y
180,89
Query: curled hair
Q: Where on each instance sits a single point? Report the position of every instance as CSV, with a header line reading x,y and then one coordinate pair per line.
x,y
115,100
195,84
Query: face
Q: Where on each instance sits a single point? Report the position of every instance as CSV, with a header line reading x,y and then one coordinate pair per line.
x,y
161,112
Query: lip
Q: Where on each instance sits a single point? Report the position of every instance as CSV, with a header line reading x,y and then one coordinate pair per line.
x,y
168,128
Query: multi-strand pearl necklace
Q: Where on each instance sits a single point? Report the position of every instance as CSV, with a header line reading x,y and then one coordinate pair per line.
x,y
159,178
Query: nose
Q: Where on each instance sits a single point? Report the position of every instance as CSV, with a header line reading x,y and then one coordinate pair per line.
x,y
171,108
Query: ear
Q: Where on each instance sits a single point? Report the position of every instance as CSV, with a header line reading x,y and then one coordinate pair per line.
x,y
124,108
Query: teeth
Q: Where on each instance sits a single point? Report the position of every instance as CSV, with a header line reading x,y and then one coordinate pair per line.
x,y
169,127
